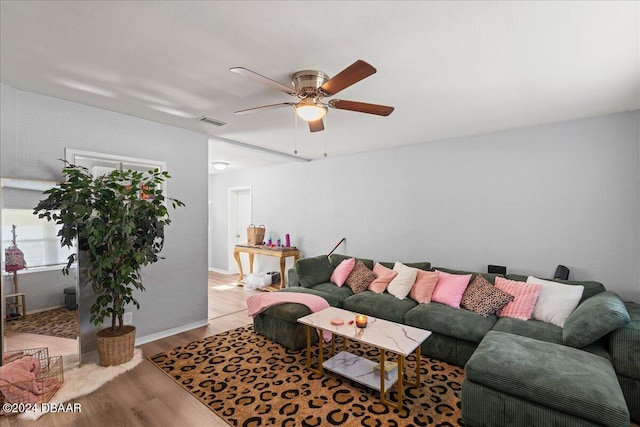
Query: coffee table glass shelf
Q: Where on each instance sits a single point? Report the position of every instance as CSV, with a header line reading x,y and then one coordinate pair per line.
x,y
385,335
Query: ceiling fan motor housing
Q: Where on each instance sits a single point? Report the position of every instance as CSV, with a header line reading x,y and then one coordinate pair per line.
x,y
308,82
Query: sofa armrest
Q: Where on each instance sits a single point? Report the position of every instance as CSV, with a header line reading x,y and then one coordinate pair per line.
x,y
624,344
292,277
313,271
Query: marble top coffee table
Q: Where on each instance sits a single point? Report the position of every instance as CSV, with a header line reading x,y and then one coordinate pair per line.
x,y
396,338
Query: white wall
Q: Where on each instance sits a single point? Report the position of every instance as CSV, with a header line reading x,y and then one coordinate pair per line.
x,y
35,131
565,193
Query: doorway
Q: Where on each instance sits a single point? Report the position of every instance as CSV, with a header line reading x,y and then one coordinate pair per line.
x,y
239,218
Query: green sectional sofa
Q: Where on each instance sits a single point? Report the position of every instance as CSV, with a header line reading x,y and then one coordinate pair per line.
x,y
458,333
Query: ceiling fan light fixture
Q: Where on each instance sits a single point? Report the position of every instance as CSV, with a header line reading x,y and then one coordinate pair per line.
x,y
310,110
220,165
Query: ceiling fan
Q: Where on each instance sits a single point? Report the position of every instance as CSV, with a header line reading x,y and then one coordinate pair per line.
x,y
311,86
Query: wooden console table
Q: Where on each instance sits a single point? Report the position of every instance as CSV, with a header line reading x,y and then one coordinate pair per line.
x,y
280,252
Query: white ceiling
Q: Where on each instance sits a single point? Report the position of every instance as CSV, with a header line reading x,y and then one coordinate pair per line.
x,y
449,68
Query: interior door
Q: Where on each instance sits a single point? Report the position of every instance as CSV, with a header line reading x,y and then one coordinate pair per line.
x,y
239,219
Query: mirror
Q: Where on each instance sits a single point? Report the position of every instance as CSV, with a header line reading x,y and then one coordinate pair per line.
x,y
39,307
42,284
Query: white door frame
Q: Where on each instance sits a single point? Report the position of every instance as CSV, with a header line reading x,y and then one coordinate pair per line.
x,y
232,226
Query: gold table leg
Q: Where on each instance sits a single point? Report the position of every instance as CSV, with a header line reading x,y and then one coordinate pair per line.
x,y
401,380
319,370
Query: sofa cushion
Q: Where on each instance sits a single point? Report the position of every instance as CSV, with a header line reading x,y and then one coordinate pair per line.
x,y
556,300
340,292
423,287
419,265
292,278
453,322
336,259
524,300
450,288
624,344
599,348
342,271
490,277
483,298
289,312
631,390
594,318
383,306
312,271
530,328
591,287
554,376
400,286
360,278
384,276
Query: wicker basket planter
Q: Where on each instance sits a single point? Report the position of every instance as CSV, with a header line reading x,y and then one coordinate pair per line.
x,y
116,350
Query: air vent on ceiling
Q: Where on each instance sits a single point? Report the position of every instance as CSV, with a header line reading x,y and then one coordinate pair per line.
x,y
212,121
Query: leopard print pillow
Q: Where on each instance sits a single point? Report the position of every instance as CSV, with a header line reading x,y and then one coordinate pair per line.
x,y
360,278
483,298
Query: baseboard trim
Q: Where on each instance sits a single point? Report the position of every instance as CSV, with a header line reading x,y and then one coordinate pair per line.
x,y
218,270
168,332
40,310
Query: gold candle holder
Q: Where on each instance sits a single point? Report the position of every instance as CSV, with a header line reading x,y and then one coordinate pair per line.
x,y
361,321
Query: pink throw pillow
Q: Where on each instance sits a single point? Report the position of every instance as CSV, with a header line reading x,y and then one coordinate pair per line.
x,y
342,271
450,288
384,275
524,300
424,285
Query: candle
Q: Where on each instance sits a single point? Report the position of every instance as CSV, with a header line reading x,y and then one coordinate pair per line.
x,y
361,321
287,240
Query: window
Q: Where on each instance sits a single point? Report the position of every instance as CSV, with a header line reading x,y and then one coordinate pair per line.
x,y
37,238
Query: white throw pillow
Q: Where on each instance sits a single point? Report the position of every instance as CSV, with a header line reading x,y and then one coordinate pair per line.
x,y
400,286
556,301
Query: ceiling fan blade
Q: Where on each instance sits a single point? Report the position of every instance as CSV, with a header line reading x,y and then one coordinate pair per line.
x,y
347,77
264,107
316,125
361,107
262,79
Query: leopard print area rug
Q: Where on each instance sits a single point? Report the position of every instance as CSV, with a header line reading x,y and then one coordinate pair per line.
x,y
249,380
60,322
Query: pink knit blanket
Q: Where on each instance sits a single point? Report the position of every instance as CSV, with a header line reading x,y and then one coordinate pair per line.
x,y
260,302
19,381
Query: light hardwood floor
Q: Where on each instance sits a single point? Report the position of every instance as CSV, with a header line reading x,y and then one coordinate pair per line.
x,y
145,396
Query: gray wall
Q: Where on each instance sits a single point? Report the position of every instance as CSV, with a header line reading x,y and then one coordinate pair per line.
x,y
43,289
35,131
565,193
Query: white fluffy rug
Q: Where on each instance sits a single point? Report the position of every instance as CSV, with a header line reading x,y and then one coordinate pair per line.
x,y
84,380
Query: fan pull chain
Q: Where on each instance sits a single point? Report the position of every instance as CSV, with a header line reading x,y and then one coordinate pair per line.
x,y
295,132
324,138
